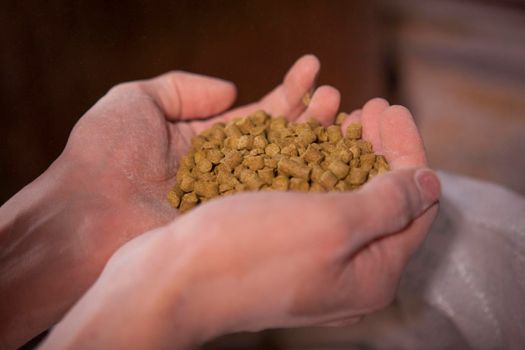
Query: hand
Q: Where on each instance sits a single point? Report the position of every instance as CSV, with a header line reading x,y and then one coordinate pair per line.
x,y
130,142
110,184
263,260
293,259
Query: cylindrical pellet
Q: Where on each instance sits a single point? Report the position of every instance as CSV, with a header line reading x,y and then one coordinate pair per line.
x,y
316,172
340,118
341,186
357,176
339,169
266,174
259,142
306,136
231,130
328,180
197,142
367,161
312,155
245,142
174,198
334,134
291,168
254,162
290,150
188,201
186,183
198,156
214,155
245,125
280,183
381,163
272,149
206,189
316,187
365,146
232,159
259,117
297,184
353,131
322,135
270,163
277,123
204,165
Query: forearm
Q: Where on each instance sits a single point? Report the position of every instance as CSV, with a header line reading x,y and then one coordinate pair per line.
x,y
143,302
42,272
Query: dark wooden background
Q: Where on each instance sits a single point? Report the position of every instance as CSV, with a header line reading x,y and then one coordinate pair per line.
x,y
58,57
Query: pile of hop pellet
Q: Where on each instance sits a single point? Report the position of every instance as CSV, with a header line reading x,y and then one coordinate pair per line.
x,y
259,152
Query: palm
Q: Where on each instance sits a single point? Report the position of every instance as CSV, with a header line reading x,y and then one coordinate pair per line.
x,y
393,133
293,225
132,139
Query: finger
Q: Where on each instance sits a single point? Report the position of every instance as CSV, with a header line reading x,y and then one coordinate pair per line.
x,y
285,99
399,247
370,122
390,202
353,117
344,322
323,106
401,144
182,95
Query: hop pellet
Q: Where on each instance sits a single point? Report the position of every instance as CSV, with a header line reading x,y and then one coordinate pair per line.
x,y
259,152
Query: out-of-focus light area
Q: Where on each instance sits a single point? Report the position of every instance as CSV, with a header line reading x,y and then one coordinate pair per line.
x,y
458,65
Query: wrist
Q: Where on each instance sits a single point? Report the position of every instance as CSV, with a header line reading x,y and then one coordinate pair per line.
x,y
43,269
143,299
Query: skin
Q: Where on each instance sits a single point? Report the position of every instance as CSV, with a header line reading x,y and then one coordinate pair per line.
x,y
343,253
109,185
271,259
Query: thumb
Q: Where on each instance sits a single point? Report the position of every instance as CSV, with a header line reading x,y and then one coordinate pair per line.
x,y
181,95
392,201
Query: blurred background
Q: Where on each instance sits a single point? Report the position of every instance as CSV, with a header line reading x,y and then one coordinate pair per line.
x,y
458,65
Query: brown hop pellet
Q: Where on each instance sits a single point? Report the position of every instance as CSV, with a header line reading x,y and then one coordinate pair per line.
x,y
266,174
292,168
328,180
340,118
280,183
254,162
298,184
312,154
258,153
260,142
357,176
206,189
188,201
214,155
339,169
353,131
334,133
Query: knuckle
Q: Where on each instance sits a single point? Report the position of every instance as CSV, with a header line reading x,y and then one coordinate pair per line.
x,y
125,88
399,109
378,101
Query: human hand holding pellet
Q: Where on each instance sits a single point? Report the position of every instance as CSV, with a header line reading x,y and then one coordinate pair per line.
x,y
259,260
110,184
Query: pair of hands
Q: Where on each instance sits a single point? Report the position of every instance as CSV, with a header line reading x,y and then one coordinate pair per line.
x,y
246,262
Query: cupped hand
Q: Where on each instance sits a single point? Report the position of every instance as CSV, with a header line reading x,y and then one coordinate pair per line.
x,y
269,259
125,149
293,259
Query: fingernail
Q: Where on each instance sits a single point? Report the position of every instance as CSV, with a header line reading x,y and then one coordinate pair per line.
x,y
428,185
